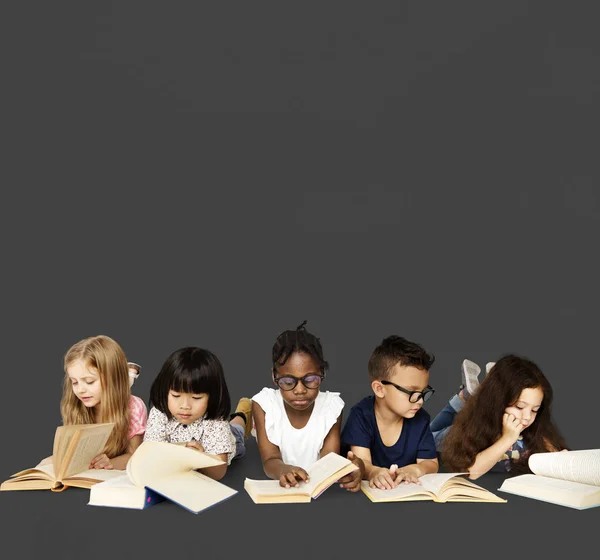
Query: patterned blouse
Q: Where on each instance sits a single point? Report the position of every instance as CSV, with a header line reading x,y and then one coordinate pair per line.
x,y
214,435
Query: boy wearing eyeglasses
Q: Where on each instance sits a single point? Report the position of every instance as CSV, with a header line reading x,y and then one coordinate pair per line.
x,y
389,430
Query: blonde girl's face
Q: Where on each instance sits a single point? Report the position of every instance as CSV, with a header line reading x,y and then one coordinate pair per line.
x,y
527,406
186,408
85,382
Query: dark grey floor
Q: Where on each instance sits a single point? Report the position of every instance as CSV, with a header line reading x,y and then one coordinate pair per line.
x,y
210,174
336,525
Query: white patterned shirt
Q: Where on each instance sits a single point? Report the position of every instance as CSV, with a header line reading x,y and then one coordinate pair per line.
x,y
214,435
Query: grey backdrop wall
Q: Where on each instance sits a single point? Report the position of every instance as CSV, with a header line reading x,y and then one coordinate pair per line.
x,y
191,174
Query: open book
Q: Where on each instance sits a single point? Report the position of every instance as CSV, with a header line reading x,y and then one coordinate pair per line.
x,y
74,447
321,474
163,470
566,478
439,487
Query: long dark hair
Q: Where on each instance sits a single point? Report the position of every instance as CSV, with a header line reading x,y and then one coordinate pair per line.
x,y
479,424
192,370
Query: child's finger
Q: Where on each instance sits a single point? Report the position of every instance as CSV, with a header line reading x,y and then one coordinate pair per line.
x,y
301,473
291,476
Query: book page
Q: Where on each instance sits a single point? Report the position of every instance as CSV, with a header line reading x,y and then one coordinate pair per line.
x,y
401,492
154,461
273,488
554,490
576,466
96,474
435,482
191,490
88,442
322,470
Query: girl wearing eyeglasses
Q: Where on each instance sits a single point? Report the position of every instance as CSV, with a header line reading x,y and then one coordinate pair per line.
x,y
297,423
498,423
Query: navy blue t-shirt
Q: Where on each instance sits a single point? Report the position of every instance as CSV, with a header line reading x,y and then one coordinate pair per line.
x,y
415,441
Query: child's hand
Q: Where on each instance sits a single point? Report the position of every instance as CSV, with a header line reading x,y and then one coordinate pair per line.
x,y
383,479
406,474
101,462
511,427
290,476
351,482
194,445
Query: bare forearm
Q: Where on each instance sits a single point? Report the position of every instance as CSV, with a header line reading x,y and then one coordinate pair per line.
x,y
487,458
424,467
216,473
274,467
120,462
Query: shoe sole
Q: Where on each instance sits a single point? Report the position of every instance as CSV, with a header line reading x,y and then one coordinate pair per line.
x,y
470,372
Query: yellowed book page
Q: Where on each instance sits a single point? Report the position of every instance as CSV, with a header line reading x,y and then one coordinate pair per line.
x,y
576,466
563,492
28,484
402,492
269,492
44,471
467,493
88,442
156,460
435,482
322,470
192,490
273,488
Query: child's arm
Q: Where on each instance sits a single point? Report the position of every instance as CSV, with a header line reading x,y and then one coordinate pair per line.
x,y
331,444
270,454
120,462
411,473
216,473
486,459
378,477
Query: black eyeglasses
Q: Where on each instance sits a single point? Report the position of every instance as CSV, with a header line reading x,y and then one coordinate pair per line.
x,y
310,381
413,396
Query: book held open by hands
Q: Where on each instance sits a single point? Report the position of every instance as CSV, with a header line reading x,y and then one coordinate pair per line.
x,y
322,474
565,478
438,487
74,448
160,470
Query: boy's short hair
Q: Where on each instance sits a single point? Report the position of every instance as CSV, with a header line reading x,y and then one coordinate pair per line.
x,y
397,350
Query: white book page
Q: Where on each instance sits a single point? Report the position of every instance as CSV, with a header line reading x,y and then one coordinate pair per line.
x,y
98,474
192,490
156,460
576,466
121,481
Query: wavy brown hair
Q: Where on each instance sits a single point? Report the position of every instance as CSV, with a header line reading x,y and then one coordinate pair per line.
x,y
106,357
479,424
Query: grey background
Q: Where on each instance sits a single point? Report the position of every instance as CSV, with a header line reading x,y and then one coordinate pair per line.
x,y
190,174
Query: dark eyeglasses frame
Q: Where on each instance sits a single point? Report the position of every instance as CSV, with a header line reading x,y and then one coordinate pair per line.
x,y
276,380
425,395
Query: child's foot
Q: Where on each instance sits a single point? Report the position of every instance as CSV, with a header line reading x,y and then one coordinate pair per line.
x,y
469,372
134,372
489,366
244,410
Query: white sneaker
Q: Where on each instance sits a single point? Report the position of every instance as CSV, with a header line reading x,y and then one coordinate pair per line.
x,y
489,366
469,372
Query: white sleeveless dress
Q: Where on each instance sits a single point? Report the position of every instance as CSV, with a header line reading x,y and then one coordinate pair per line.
x,y
301,447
